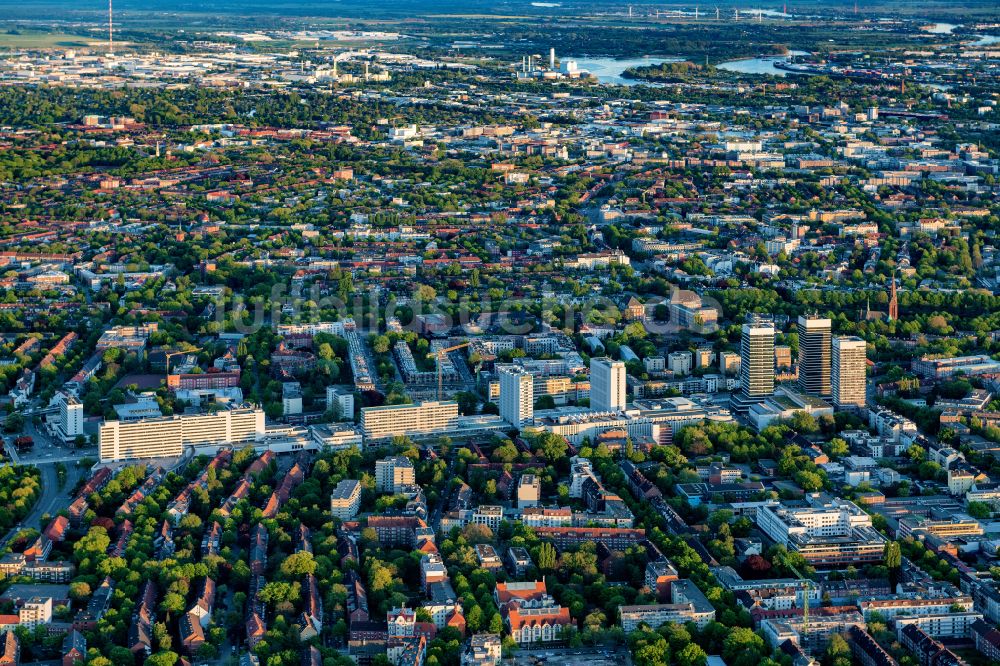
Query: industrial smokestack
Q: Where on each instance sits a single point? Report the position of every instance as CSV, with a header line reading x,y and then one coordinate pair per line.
x,y
552,59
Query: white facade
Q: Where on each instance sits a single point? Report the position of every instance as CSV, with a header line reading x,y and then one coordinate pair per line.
x,y
166,437
838,518
517,397
607,385
847,376
70,423
416,419
342,400
679,362
391,474
757,358
346,499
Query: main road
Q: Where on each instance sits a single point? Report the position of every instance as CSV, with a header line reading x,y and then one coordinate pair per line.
x,y
53,498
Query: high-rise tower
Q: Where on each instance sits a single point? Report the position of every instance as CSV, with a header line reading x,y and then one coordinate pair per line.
x,y
848,371
607,385
814,355
757,358
517,397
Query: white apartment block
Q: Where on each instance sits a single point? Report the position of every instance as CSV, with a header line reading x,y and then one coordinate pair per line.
x,y
391,474
70,423
416,419
35,611
166,437
607,385
679,362
517,397
847,375
342,400
346,499
529,491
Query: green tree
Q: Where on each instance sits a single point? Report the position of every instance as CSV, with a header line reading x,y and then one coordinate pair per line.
x,y
980,510
547,557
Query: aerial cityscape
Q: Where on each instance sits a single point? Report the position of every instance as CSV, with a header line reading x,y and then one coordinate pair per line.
x,y
449,333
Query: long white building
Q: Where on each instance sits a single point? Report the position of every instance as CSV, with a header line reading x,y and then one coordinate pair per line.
x,y
167,436
417,419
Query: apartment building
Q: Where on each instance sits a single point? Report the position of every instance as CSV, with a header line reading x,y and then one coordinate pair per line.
x,y
345,499
392,474
166,437
417,419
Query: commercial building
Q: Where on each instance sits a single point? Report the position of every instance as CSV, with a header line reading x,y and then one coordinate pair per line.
x,y
831,532
346,499
607,385
940,368
167,436
814,354
517,397
419,418
847,376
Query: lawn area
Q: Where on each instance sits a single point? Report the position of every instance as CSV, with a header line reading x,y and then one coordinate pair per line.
x,y
21,39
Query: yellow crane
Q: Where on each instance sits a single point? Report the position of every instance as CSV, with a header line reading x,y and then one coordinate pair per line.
x,y
170,355
440,354
805,597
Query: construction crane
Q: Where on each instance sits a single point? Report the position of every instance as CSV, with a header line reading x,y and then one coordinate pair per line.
x,y
170,355
805,598
439,355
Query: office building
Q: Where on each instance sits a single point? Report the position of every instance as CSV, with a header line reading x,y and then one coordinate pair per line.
x,y
847,376
419,418
814,355
517,397
392,474
346,499
607,385
832,533
166,437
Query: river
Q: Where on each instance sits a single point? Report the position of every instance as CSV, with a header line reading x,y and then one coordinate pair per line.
x,y
763,65
609,70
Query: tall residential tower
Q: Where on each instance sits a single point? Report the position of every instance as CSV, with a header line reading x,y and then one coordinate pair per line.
x,y
517,397
607,385
848,374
